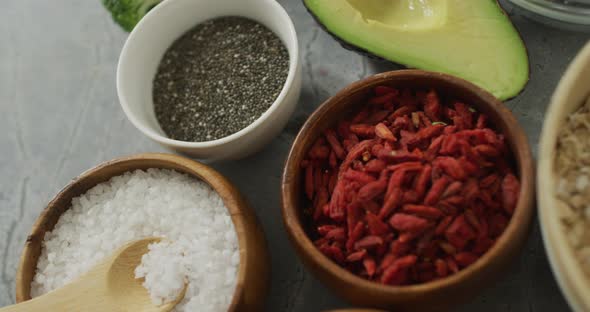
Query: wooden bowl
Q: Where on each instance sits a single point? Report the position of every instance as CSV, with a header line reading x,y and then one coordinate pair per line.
x,y
253,272
571,93
435,295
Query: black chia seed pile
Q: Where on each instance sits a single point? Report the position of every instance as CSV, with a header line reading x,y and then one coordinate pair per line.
x,y
218,78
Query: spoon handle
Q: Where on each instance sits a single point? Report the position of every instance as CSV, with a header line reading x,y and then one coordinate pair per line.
x,y
76,296
32,305
58,300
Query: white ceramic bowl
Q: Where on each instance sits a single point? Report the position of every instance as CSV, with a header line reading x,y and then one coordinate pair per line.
x,y
154,34
571,93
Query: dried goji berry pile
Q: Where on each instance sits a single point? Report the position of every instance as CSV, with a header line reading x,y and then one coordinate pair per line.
x,y
413,188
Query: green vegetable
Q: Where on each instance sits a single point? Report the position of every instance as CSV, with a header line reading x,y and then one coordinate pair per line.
x,y
471,39
127,13
439,123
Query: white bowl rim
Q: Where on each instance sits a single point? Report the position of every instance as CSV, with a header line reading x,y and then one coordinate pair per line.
x,y
293,68
566,269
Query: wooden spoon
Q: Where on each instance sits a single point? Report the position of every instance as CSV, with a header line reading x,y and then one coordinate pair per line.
x,y
109,286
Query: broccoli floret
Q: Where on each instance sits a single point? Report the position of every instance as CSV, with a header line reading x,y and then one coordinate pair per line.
x,y
127,13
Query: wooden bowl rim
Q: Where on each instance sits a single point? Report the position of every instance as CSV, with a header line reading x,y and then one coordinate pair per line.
x,y
566,269
221,185
523,213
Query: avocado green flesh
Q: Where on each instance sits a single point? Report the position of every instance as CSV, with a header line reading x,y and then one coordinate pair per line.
x,y
471,39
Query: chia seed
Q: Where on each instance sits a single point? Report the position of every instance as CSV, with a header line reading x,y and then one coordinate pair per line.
x,y
218,78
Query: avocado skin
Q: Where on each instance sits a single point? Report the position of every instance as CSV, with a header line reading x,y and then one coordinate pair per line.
x,y
348,46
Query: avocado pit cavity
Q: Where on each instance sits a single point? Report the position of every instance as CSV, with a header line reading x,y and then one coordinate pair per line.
x,y
409,15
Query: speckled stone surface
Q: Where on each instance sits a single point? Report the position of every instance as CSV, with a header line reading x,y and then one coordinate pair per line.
x,y
59,116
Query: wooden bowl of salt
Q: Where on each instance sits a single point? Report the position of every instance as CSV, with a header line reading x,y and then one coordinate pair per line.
x,y
254,265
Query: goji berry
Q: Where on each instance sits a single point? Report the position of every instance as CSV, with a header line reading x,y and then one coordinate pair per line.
x,y
377,117
375,166
361,177
510,192
372,189
408,223
486,150
427,133
423,211
432,106
459,233
401,122
333,252
481,121
452,189
368,242
383,132
410,197
381,90
446,247
363,130
398,156
360,116
336,234
422,181
336,146
404,110
354,153
442,225
354,235
321,201
424,120
436,191
375,225
441,268
319,152
395,274
370,265
406,167
370,206
451,167
465,258
356,256
383,98
332,161
392,200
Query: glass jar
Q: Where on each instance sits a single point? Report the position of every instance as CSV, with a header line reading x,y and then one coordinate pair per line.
x,y
571,14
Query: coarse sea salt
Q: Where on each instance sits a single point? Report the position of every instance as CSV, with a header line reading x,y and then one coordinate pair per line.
x,y
199,248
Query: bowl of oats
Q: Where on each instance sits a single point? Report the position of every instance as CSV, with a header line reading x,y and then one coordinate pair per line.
x,y
563,182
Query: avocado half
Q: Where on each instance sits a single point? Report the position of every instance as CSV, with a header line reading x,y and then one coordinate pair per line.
x,y
471,39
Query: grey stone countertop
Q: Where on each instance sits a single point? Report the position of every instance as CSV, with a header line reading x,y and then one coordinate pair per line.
x,y
59,115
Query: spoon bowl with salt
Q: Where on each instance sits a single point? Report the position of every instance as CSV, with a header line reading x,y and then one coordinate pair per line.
x,y
109,286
